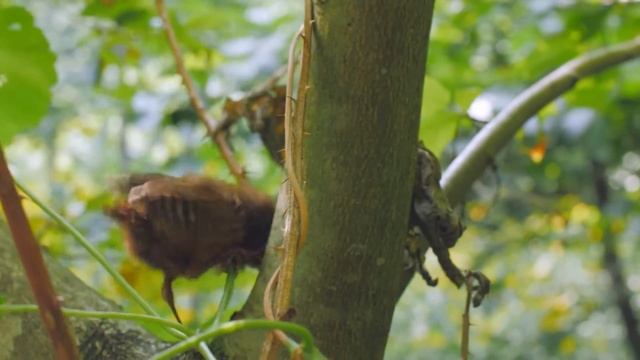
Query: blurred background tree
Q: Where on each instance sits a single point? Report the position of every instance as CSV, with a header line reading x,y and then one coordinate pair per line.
x,y
535,223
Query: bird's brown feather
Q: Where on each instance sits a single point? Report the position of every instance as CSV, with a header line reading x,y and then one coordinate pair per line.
x,y
187,225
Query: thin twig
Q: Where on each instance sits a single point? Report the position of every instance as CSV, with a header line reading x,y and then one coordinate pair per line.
x,y
209,123
478,286
466,321
229,118
269,83
52,318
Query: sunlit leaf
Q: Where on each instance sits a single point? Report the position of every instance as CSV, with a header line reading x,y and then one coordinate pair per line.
x,y
537,151
568,345
554,320
464,97
478,212
435,97
437,131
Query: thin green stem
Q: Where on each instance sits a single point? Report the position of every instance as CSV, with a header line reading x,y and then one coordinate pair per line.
x,y
26,308
239,325
232,273
91,250
204,350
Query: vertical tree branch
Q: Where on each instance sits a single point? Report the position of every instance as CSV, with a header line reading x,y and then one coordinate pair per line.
x,y
466,321
210,124
612,265
37,274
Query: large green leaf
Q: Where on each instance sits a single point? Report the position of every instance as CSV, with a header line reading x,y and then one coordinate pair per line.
x,y
26,72
437,125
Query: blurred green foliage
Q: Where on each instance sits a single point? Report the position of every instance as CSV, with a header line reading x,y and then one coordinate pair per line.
x,y
532,223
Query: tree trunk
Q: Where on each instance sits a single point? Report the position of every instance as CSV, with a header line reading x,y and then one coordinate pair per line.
x,y
367,72
363,106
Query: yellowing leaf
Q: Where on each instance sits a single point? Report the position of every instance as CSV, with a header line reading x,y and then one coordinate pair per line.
x,y
436,339
478,212
595,234
511,281
568,345
131,271
558,223
553,320
584,214
617,226
187,315
537,152
144,279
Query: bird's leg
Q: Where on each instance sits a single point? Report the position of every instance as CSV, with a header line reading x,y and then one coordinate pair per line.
x,y
414,252
422,270
167,295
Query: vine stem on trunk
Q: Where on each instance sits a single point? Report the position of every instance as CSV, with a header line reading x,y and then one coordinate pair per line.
x,y
296,225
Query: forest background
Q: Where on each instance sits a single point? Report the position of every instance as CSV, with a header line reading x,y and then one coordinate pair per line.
x,y
534,224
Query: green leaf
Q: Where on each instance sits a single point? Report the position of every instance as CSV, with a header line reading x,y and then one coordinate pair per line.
x,y
437,125
435,97
465,96
438,130
26,72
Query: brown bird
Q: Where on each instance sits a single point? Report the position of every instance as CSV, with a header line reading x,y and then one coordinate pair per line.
x,y
187,225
